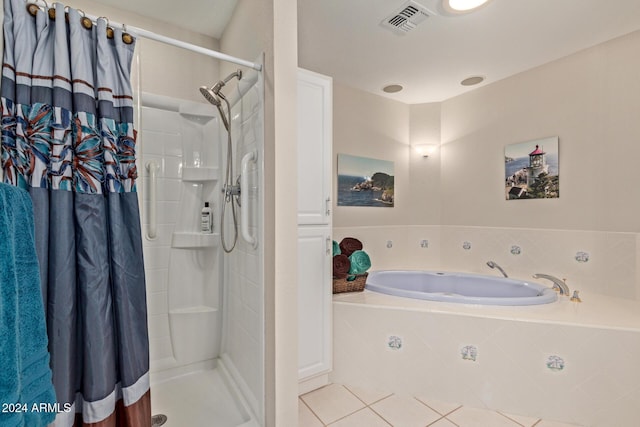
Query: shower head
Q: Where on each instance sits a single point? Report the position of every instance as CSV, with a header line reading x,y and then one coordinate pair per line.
x,y
210,94
213,95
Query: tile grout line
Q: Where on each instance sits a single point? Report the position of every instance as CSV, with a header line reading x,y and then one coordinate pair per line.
x,y
511,419
347,416
383,418
437,412
309,408
367,404
440,419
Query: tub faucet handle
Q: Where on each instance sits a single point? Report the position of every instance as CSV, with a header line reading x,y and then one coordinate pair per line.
x,y
575,297
558,285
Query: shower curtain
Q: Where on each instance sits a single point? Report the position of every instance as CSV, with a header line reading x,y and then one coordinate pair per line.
x,y
68,138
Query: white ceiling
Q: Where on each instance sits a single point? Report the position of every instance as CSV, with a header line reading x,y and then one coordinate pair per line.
x,y
208,17
344,38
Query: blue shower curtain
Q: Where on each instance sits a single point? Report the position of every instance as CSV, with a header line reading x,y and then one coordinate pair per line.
x,y
68,138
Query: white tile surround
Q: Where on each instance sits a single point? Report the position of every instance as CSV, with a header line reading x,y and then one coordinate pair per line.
x,y
613,267
186,280
339,405
182,283
596,343
551,361
243,339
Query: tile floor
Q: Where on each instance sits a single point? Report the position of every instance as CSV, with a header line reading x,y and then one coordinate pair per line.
x,y
336,405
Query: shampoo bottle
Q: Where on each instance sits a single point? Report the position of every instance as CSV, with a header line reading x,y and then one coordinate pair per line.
x,y
206,219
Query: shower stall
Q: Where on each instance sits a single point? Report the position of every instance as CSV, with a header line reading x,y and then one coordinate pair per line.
x,y
205,288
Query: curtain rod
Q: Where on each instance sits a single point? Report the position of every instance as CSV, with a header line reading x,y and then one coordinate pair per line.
x,y
168,40
192,47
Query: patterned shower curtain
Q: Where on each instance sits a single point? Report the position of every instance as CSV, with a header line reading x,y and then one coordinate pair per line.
x,y
68,138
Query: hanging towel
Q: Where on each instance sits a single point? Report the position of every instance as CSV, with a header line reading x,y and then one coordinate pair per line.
x,y
25,376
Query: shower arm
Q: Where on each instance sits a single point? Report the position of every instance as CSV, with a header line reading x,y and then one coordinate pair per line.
x,y
216,88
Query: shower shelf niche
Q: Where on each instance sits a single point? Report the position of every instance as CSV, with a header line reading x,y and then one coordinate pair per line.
x,y
191,240
199,174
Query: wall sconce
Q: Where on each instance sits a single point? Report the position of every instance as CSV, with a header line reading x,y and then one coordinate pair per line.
x,y
425,150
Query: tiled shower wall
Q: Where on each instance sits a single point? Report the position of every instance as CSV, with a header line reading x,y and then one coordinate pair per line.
x,y
601,262
182,265
243,340
160,135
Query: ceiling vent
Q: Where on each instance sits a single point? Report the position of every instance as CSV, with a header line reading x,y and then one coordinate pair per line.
x,y
406,18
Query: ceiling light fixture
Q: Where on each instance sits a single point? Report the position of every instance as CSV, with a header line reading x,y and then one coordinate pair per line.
x,y
471,81
392,88
463,6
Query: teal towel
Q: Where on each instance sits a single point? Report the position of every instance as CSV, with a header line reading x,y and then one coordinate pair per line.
x,y
336,248
25,377
360,262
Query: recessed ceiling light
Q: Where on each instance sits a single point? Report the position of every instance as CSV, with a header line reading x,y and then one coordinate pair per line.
x,y
470,81
462,6
392,88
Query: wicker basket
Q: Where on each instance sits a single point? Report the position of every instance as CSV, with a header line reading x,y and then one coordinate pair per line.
x,y
343,285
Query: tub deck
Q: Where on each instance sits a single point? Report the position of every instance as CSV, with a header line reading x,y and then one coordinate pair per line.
x,y
596,311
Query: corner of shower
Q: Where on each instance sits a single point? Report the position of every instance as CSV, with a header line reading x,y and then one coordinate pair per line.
x,y
206,309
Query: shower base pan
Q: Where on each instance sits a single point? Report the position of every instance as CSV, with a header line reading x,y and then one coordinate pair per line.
x,y
200,398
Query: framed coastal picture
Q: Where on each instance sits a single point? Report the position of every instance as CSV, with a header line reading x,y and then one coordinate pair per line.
x,y
531,169
363,181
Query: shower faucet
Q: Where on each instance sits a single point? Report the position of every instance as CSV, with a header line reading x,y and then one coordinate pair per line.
x,y
492,264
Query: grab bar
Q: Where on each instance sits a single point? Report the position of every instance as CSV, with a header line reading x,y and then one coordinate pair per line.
x,y
244,198
152,230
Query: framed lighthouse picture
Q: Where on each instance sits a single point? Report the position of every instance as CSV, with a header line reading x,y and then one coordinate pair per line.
x,y
531,169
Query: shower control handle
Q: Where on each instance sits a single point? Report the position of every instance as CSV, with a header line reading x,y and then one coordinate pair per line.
x,y
230,190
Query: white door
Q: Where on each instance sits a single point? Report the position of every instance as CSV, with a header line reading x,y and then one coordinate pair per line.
x,y
314,301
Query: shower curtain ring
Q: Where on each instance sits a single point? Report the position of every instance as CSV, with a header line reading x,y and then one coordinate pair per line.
x,y
109,29
51,10
86,22
126,37
33,9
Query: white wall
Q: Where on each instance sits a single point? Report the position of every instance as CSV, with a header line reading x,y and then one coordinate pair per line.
x,y
424,128
371,126
589,99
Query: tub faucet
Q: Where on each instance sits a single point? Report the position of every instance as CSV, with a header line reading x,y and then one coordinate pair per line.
x,y
492,264
558,284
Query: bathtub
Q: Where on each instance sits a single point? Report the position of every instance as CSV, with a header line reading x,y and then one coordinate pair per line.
x,y
459,288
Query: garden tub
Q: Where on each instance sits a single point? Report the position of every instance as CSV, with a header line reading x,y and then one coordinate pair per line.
x,y
459,288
